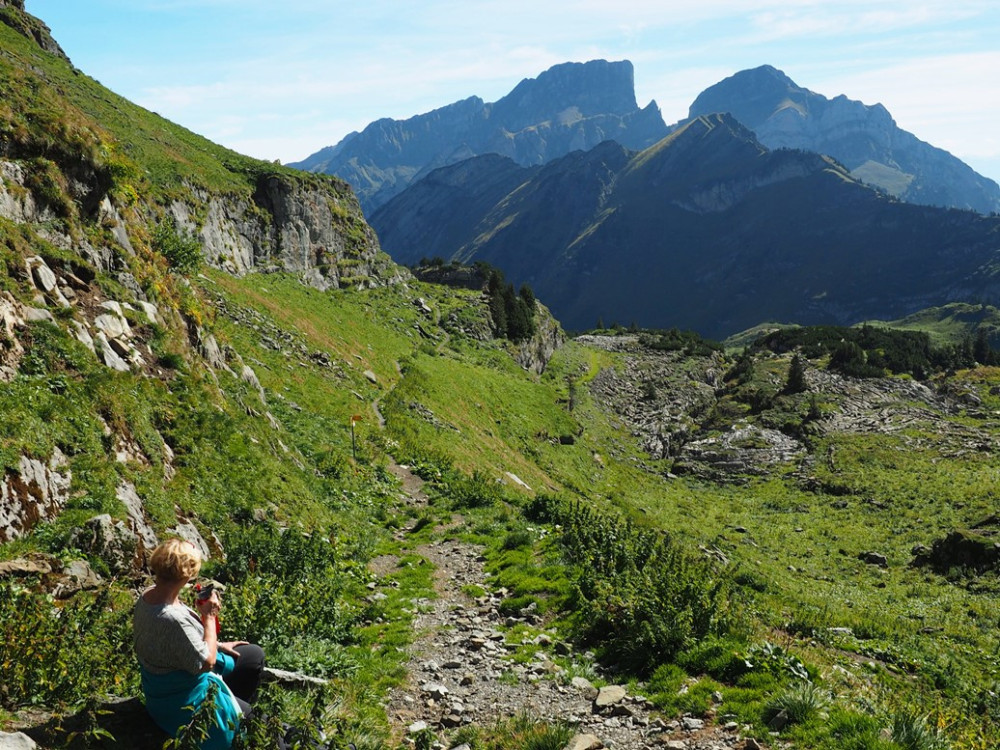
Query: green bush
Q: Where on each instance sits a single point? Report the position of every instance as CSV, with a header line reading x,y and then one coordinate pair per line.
x,y
39,669
476,491
284,582
180,247
517,539
910,732
639,595
720,658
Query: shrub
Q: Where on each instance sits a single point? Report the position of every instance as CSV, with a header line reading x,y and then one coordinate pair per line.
x,y
180,247
477,491
283,582
39,669
911,732
639,595
801,703
773,659
518,539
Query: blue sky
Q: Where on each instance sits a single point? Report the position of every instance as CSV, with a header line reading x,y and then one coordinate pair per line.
x,y
280,80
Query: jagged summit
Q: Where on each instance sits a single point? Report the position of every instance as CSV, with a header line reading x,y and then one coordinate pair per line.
x,y
571,106
707,229
863,137
594,88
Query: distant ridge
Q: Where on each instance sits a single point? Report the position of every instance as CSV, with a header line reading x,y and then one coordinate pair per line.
x,y
707,229
572,106
864,138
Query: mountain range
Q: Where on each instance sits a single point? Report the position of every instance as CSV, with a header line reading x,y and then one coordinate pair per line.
x,y
574,106
707,229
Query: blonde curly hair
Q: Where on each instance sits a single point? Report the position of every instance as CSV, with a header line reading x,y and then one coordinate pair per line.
x,y
175,560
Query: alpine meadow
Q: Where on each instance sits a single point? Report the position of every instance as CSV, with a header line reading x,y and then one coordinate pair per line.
x,y
449,522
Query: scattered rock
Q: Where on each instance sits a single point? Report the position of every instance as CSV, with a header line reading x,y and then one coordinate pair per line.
x,y
34,565
584,742
462,648
778,721
76,576
109,540
609,695
291,679
36,492
585,686
129,497
16,741
874,558
692,724
186,530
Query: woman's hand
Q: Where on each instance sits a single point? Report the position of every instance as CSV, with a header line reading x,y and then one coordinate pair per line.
x,y
229,647
209,607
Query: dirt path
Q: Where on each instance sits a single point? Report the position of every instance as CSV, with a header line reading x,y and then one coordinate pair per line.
x,y
461,669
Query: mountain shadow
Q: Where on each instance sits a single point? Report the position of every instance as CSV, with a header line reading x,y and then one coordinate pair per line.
x,y
707,229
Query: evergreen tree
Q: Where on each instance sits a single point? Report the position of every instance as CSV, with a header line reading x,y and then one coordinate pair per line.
x,y
796,382
981,350
528,296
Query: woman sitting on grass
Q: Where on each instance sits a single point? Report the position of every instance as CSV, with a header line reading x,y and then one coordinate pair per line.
x,y
180,657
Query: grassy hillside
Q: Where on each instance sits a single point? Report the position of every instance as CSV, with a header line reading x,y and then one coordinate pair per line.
x,y
705,529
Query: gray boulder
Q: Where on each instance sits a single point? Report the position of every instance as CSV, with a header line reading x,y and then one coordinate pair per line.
x,y
109,540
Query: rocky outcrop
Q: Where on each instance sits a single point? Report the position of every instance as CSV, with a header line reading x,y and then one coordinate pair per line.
x,y
665,400
661,403
975,550
37,491
308,227
12,14
534,354
573,106
864,138
744,450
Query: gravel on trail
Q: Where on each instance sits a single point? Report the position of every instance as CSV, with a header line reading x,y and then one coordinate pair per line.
x,y
461,671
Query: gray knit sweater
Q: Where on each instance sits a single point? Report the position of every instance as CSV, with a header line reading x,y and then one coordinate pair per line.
x,y
168,637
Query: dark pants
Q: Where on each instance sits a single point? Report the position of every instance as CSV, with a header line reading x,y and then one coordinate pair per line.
x,y
245,677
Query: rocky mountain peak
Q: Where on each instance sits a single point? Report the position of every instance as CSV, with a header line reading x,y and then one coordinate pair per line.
x,y
863,137
570,107
751,95
593,88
